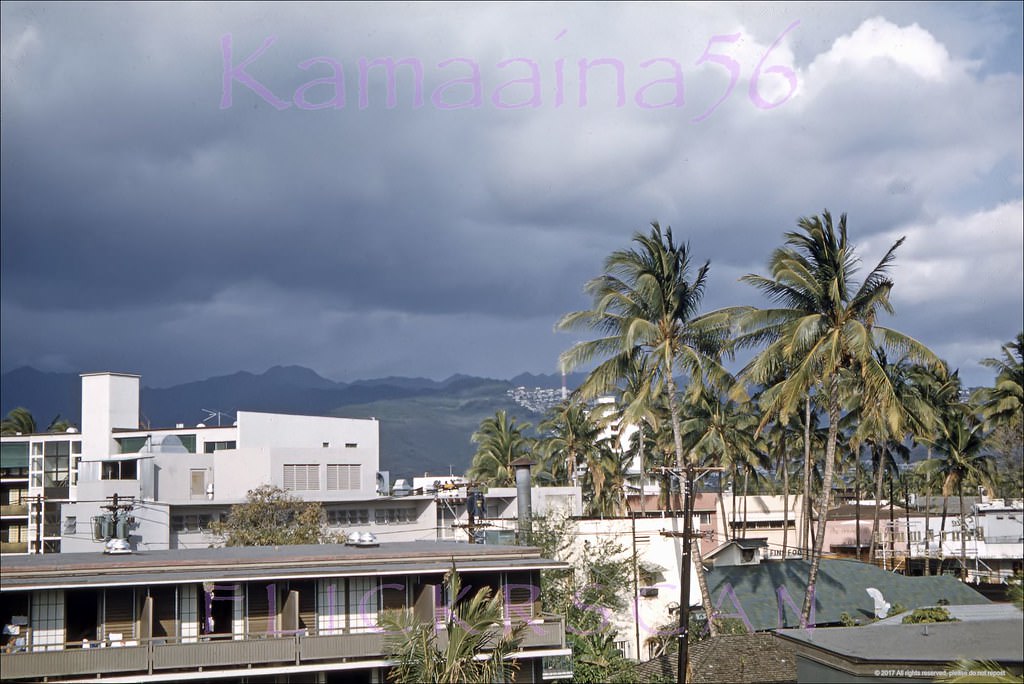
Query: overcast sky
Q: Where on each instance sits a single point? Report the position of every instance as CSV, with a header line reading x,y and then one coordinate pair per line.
x,y
191,190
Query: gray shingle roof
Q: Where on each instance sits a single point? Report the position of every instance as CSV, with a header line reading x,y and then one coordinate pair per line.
x,y
753,658
1000,640
773,589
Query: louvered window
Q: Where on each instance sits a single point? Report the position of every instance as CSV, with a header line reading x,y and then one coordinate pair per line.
x,y
343,477
299,477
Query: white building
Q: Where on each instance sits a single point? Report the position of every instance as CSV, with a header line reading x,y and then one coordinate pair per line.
x,y
171,483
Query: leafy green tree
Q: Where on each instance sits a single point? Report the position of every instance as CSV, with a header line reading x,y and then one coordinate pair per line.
x,y
824,330
273,517
595,584
646,303
473,627
500,441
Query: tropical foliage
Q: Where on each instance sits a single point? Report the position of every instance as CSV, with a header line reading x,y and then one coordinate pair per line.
x,y
472,628
500,441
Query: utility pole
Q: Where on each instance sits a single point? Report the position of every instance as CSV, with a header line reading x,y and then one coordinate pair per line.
x,y
684,589
687,479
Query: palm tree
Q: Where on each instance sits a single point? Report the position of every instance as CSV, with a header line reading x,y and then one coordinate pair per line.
x,y
18,420
572,434
825,330
646,303
1005,401
499,441
473,627
641,401
962,459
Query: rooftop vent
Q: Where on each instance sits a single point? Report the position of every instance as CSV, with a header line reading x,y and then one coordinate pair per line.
x,y
366,539
117,546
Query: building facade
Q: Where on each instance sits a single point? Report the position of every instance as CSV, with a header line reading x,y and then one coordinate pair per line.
x,y
300,613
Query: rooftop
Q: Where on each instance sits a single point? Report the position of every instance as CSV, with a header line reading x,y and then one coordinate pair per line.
x,y
763,593
1000,640
69,570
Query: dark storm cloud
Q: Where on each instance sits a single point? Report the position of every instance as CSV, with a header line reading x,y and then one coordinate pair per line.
x,y
144,223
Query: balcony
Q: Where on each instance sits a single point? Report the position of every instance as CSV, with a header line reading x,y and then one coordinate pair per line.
x,y
170,655
14,547
14,510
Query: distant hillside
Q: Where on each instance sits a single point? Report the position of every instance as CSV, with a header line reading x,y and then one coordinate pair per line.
x,y
425,424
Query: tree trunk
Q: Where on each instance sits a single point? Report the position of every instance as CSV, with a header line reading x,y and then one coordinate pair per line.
x,y
856,503
785,494
942,527
643,475
876,460
735,504
721,502
963,532
805,524
746,482
677,438
927,519
823,500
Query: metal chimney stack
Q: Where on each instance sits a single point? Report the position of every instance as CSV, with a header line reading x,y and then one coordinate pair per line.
x,y
524,531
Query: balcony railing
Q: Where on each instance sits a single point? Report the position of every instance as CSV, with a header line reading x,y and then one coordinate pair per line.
x,y
167,655
20,510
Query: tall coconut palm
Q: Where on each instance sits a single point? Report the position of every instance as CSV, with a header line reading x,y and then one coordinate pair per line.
x,y
720,432
647,303
571,435
885,429
962,459
640,400
825,329
500,441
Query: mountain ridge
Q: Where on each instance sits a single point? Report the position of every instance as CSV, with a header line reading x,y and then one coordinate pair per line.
x,y
425,424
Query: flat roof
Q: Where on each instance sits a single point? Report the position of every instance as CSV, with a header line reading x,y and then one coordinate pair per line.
x,y
241,563
1001,640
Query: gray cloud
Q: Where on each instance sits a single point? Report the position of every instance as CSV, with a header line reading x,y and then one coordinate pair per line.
x,y
143,224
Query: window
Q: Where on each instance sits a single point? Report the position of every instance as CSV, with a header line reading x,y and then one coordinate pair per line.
x,y
131,445
343,477
56,464
394,516
348,517
351,445
304,476
71,525
210,447
199,522
119,470
197,482
326,444
14,459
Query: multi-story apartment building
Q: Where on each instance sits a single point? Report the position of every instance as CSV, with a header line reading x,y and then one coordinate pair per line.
x,y
299,613
58,490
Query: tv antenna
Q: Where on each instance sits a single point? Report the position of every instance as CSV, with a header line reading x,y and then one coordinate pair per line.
x,y
210,415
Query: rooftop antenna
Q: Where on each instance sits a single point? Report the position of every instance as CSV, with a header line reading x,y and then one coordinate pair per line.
x,y
211,414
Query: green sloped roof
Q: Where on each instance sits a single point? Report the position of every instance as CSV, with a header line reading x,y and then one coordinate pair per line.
x,y
758,591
